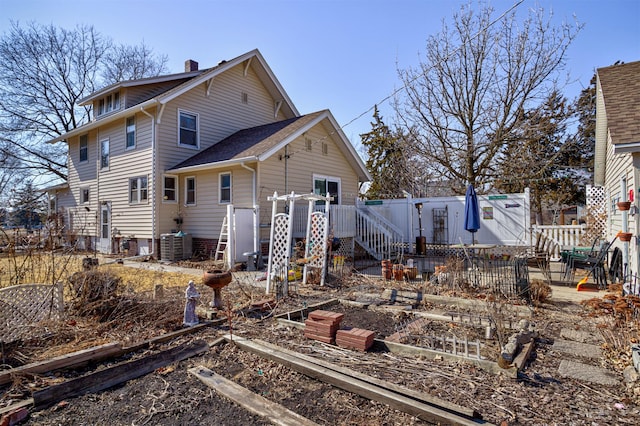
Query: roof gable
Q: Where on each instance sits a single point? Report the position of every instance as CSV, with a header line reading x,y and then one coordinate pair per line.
x,y
620,85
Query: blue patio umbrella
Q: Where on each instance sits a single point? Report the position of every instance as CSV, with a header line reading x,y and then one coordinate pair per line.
x,y
471,212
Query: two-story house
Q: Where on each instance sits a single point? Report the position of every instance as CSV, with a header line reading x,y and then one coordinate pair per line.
x,y
171,153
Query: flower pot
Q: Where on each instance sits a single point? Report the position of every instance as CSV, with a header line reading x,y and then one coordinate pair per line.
x,y
625,236
624,205
386,269
398,272
411,272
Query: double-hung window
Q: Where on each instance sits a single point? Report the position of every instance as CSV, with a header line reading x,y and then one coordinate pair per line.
x,y
84,148
138,191
131,133
104,154
190,191
188,129
170,189
225,188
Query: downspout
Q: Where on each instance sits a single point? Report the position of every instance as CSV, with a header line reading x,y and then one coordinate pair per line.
x,y
153,179
625,227
254,201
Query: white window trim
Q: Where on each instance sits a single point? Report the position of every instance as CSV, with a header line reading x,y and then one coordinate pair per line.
x,y
80,160
176,189
88,200
186,191
126,133
220,187
108,154
139,190
329,178
180,144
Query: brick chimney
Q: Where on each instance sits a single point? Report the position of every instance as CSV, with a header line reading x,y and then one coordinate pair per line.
x,y
190,65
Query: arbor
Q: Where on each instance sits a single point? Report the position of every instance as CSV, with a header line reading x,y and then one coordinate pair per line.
x,y
44,71
465,100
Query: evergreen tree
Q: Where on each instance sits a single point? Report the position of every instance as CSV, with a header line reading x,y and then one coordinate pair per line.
x,y
387,160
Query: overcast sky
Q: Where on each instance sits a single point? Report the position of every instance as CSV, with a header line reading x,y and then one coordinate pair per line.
x,y
340,55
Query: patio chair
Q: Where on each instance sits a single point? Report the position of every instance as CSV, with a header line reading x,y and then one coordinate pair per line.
x,y
615,266
594,265
542,255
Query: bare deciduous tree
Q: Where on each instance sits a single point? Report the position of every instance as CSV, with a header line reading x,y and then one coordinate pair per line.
x,y
465,99
44,71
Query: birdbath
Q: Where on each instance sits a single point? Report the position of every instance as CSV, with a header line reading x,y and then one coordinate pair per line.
x,y
216,280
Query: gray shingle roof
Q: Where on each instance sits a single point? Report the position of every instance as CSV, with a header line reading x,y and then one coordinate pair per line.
x,y
249,143
621,92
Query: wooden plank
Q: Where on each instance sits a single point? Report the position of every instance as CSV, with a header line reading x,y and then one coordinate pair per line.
x,y
104,379
172,335
64,361
486,365
299,313
25,403
520,360
354,385
256,404
418,396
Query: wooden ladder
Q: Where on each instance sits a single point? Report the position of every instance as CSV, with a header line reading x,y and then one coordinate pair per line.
x,y
221,248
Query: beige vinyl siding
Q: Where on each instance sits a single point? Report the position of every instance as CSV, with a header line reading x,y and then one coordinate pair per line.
x,y
138,94
220,114
204,220
82,175
130,219
302,166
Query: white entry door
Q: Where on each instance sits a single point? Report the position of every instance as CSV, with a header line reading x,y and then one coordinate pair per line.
x,y
105,228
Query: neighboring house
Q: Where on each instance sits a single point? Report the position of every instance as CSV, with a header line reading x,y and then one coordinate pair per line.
x,y
171,153
617,153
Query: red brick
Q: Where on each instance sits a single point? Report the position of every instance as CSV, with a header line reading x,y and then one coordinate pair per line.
x,y
325,339
321,315
321,327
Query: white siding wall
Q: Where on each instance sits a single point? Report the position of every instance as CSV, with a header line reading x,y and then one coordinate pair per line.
x,y
300,169
220,115
130,219
204,219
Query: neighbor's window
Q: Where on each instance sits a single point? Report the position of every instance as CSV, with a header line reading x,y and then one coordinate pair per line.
x,y
84,148
323,185
131,133
104,154
84,195
190,191
170,189
138,192
225,188
188,129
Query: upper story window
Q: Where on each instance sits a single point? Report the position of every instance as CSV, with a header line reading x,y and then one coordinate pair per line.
x,y
104,154
84,148
225,188
190,191
138,192
188,129
109,103
131,133
84,195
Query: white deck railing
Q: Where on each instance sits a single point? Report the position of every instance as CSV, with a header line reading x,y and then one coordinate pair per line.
x,y
342,221
379,237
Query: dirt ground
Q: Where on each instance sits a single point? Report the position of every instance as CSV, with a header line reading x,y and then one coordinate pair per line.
x,y
172,396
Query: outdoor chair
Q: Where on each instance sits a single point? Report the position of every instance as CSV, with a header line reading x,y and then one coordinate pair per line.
x,y
594,265
542,255
615,266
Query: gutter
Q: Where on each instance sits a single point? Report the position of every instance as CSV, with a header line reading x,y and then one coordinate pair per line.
x,y
153,179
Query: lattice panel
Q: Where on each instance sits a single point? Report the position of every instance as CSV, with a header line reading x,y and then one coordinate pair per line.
x,y
596,214
317,244
280,254
23,305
